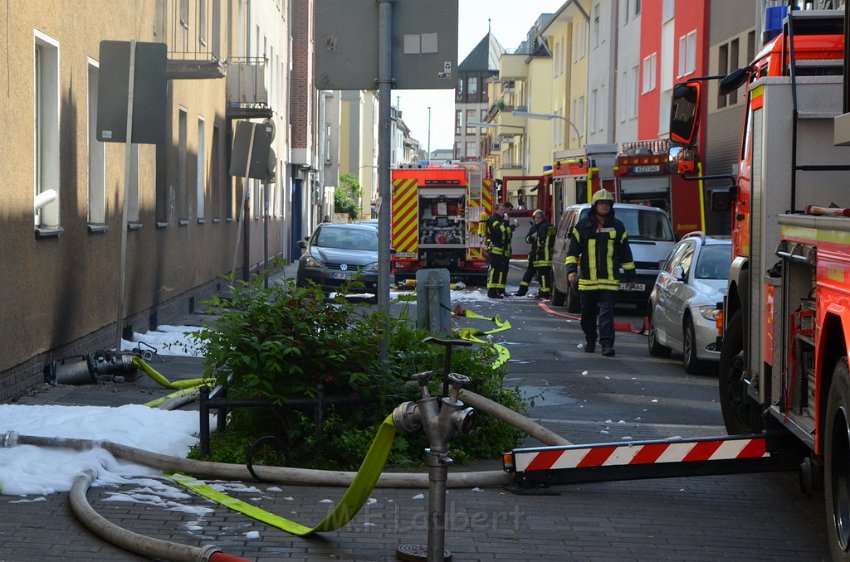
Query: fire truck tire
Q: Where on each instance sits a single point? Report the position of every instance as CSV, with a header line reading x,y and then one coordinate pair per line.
x,y
655,348
741,414
573,300
837,462
557,297
693,365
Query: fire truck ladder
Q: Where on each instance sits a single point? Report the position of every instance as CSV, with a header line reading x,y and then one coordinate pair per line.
x,y
665,458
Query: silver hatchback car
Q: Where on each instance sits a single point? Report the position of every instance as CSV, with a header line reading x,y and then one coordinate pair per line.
x,y
683,303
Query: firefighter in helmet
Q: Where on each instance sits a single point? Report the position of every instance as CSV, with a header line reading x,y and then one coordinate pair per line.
x,y
541,241
599,247
498,247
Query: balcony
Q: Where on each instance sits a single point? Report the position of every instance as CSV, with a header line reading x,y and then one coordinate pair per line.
x,y
246,93
509,126
509,168
194,66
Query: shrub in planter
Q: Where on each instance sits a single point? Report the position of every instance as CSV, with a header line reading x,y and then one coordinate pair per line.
x,y
283,342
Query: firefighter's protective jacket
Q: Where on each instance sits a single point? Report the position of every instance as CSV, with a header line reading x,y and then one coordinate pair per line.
x,y
600,253
498,236
542,244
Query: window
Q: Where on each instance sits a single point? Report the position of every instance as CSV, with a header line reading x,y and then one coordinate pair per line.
x,y
470,118
593,111
96,155
649,65
201,176
556,59
460,86
687,53
459,122
668,10
472,85
133,189
184,13
633,93
595,31
182,170
202,22
46,187
483,130
472,149
216,29
636,6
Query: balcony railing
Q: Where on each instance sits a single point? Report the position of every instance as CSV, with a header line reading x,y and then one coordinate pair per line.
x,y
246,88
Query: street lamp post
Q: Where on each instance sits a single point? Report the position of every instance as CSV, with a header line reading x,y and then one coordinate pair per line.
x,y
429,134
548,116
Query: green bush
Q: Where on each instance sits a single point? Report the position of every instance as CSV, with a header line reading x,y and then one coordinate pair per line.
x,y
284,342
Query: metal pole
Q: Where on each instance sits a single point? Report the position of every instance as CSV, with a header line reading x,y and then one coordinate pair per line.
x,y
266,236
128,156
385,21
429,135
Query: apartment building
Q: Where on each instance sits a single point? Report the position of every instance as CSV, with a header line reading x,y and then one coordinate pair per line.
x,y
67,242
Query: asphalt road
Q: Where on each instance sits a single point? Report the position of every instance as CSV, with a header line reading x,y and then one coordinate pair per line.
x,y
587,398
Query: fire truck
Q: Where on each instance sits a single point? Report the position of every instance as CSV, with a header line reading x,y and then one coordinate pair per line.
x,y
784,326
785,321
436,217
635,172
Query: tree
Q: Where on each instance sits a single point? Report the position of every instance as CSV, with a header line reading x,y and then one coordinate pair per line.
x,y
347,196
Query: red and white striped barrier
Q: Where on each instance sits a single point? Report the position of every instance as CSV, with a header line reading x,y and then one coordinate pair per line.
x,y
639,453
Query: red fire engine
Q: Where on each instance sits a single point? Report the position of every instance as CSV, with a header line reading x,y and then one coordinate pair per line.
x,y
435,216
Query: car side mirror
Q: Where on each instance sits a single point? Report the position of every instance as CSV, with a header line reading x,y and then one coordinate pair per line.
x,y
679,273
301,244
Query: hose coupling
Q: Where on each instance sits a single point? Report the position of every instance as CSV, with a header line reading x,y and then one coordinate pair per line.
x,y
10,439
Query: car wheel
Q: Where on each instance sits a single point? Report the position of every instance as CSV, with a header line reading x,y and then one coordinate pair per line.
x,y
837,462
689,349
741,414
557,297
573,300
655,348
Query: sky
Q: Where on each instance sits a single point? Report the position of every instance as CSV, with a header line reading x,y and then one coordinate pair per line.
x,y
510,22
28,473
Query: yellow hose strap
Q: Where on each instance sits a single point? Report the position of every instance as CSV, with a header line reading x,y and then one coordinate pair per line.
x,y
167,397
157,376
353,499
472,333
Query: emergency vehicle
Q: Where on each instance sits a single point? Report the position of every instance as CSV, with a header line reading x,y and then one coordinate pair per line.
x,y
636,172
436,217
785,324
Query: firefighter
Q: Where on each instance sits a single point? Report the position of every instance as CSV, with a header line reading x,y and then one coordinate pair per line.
x,y
498,249
599,244
541,240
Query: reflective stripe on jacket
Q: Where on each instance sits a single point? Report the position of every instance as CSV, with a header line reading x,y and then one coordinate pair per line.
x,y
598,254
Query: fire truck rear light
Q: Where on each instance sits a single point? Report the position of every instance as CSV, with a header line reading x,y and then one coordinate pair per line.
x,y
508,462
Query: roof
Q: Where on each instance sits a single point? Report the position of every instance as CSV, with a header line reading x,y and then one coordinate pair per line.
x,y
484,57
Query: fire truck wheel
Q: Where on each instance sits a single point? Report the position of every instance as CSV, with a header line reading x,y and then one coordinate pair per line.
x,y
557,297
573,300
693,365
837,462
655,348
740,412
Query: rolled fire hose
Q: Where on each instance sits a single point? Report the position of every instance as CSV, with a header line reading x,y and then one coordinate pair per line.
x,y
134,542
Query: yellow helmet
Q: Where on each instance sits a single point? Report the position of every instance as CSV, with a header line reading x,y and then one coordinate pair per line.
x,y
602,195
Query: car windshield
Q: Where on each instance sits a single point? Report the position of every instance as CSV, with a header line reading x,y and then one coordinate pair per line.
x,y
714,261
347,238
643,224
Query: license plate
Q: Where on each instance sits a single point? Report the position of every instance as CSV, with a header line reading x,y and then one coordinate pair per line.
x,y
637,287
339,275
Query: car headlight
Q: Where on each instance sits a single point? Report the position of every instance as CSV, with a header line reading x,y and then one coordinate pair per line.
x,y
708,311
372,267
310,261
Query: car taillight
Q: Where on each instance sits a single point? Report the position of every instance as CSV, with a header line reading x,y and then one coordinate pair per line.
x,y
718,322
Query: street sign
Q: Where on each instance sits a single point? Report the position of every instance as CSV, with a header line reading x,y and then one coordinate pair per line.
x,y
424,44
149,92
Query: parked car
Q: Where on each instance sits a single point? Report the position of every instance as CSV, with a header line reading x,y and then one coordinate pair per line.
x,y
335,253
650,238
684,301
370,222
